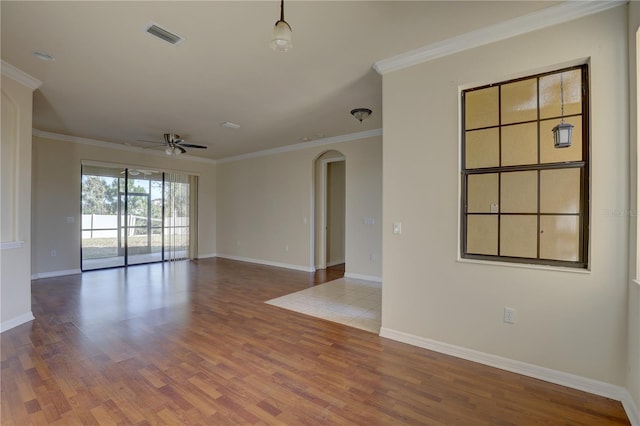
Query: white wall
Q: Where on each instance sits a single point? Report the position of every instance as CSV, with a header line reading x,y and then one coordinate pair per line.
x,y
574,322
56,196
15,254
264,204
633,332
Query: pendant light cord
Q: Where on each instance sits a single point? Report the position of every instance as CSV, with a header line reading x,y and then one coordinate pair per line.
x,y
561,98
282,10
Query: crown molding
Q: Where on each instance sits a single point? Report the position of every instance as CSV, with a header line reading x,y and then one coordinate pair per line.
x,y
547,17
111,145
305,145
20,76
288,148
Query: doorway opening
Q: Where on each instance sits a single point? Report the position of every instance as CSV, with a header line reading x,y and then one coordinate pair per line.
x,y
329,211
135,216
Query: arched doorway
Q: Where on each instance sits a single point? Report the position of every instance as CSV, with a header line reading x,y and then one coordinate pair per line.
x,y
329,210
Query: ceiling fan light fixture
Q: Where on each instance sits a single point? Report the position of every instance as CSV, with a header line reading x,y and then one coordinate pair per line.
x,y
361,114
281,39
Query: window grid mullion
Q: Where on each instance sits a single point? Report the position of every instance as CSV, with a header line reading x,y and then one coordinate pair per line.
x,y
538,168
539,147
500,166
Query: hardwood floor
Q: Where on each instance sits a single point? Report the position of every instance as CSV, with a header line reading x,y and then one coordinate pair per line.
x,y
194,343
329,274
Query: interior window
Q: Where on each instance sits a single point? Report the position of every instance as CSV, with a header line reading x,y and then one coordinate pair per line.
x,y
524,195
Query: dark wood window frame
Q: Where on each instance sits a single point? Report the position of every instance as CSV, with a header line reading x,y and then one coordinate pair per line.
x,y
583,165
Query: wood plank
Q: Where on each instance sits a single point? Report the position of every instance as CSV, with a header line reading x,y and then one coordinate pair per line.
x,y
194,343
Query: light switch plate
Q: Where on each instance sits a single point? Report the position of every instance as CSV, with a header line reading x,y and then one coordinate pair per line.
x,y
397,228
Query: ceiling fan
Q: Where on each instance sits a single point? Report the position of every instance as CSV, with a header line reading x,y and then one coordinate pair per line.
x,y
174,144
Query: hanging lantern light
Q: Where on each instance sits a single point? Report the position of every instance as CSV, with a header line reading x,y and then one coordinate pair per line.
x,y
563,131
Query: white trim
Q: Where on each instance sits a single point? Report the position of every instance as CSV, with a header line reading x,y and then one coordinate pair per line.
x,y
16,321
304,145
321,242
637,282
337,262
55,274
523,265
10,245
630,408
554,15
553,376
112,145
20,76
206,256
363,277
267,262
288,148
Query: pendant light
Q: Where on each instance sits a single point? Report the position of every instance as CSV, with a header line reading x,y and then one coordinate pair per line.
x,y
281,40
562,132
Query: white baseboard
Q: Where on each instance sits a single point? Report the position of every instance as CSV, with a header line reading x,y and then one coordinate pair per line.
x,y
337,262
16,321
363,277
267,262
55,274
206,256
631,409
585,384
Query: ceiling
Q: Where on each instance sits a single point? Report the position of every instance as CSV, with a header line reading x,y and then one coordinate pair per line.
x,y
111,81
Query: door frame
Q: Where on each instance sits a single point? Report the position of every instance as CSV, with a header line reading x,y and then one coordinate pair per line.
x,y
319,230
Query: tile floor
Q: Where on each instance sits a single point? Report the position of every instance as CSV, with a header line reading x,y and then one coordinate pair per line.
x,y
356,303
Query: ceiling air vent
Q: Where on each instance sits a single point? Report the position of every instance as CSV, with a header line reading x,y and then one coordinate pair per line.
x,y
163,34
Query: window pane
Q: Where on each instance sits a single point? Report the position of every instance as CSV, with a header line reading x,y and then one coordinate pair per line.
x,y
560,191
519,236
550,99
482,234
481,108
551,154
482,148
519,101
482,192
559,238
520,144
531,204
519,192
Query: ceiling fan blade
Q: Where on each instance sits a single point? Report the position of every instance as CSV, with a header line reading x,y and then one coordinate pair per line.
x,y
182,150
190,145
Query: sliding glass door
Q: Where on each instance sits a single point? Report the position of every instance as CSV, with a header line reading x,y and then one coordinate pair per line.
x,y
144,217
134,216
102,215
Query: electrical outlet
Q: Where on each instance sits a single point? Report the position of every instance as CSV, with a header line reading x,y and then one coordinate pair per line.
x,y
286,247
54,253
509,315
